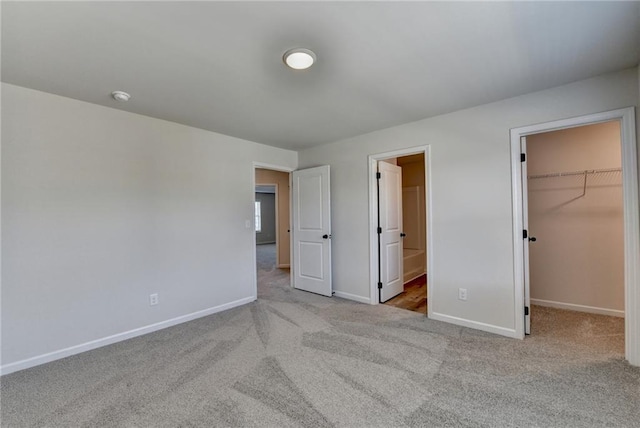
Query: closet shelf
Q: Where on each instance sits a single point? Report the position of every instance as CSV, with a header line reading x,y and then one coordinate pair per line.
x,y
569,173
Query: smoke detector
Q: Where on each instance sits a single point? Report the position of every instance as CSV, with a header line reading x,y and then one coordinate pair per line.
x,y
120,96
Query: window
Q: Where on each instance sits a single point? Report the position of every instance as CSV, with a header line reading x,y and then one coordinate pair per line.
x,y
258,217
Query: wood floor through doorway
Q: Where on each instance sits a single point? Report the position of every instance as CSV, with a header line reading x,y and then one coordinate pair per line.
x,y
414,297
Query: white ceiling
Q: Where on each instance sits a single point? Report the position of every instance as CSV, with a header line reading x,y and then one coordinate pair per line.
x,y
218,65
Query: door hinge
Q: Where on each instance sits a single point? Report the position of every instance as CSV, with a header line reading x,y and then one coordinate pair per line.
x,y
378,175
379,286
523,157
525,235
526,311
379,230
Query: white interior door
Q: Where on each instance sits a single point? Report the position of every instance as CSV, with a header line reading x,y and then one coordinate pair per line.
x,y
525,240
312,230
390,223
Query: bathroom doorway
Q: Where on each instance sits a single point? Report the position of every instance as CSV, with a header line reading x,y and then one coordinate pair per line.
x,y
400,217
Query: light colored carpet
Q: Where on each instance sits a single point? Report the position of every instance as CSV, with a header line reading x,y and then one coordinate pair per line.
x,y
297,359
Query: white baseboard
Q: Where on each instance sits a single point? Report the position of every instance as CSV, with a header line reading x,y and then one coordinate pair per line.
x,y
83,347
579,308
349,296
490,328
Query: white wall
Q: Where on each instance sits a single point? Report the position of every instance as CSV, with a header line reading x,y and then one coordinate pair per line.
x,y
577,261
101,207
470,191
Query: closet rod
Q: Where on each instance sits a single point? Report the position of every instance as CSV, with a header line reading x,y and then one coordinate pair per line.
x,y
584,172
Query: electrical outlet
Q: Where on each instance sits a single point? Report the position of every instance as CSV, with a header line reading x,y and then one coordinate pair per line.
x,y
462,293
153,299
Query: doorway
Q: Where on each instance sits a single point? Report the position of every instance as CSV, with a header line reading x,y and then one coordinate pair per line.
x,y
399,218
523,240
272,229
576,235
302,249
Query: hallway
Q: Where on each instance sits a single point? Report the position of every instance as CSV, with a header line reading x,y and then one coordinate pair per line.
x,y
269,275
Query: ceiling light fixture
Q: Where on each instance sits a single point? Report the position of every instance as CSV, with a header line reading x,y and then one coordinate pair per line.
x,y
299,58
120,96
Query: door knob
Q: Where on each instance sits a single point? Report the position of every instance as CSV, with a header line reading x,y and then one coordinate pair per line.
x,y
402,235
532,239
325,236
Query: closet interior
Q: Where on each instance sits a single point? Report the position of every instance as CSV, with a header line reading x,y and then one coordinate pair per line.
x,y
575,207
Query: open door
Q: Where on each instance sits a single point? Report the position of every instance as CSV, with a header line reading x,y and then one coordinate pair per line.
x,y
312,230
525,236
390,233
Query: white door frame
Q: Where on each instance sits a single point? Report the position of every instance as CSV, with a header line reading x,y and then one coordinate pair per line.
x,y
373,219
289,170
627,118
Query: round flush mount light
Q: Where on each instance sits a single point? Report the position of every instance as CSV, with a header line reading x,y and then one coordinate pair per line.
x,y
120,96
299,58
